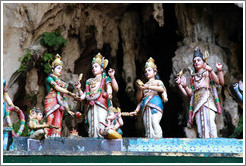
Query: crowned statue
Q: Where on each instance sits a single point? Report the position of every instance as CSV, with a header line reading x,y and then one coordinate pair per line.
x,y
151,103
204,101
98,94
55,101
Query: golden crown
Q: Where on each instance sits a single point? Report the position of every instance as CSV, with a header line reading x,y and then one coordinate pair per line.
x,y
151,63
57,61
100,60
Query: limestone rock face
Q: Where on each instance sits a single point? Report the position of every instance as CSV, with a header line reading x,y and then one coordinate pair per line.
x,y
129,33
32,87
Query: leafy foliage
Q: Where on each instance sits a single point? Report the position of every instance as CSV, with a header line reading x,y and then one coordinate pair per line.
x,y
16,127
45,62
24,61
53,40
238,132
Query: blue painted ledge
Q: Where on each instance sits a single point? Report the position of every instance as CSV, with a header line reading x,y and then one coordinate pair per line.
x,y
219,147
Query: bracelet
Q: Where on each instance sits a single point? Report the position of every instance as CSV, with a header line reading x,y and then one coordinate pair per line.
x,y
185,86
112,77
220,70
211,70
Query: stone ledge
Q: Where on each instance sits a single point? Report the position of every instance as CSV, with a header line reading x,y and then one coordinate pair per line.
x,y
84,146
118,153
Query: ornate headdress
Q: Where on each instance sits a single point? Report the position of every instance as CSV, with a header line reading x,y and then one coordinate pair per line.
x,y
57,61
197,53
100,60
151,63
34,109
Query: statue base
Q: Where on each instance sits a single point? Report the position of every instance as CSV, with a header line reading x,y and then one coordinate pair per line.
x,y
126,150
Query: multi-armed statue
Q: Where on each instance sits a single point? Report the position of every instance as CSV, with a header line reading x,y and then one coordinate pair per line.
x,y
204,101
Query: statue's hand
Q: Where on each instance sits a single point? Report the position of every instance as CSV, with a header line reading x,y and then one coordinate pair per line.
x,y
240,85
111,72
235,86
165,99
52,126
177,80
219,66
133,113
190,119
118,114
78,85
71,113
183,81
189,125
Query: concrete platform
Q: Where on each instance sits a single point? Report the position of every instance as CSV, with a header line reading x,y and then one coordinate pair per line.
x,y
126,150
175,146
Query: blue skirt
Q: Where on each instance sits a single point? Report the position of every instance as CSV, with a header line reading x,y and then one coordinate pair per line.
x,y
156,100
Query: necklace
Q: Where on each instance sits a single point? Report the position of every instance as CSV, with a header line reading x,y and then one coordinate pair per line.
x,y
198,76
93,95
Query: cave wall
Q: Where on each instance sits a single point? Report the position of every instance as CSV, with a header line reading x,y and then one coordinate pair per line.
x,y
126,34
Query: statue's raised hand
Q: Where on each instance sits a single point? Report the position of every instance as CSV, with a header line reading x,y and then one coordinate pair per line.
x,y
78,85
240,85
183,81
177,80
235,86
219,66
111,72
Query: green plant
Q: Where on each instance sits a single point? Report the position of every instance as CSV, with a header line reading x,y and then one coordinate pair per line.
x,y
45,62
16,127
24,61
53,40
238,132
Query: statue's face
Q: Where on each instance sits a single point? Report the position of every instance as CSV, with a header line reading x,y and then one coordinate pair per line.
x,y
39,116
150,73
198,63
32,115
96,69
58,70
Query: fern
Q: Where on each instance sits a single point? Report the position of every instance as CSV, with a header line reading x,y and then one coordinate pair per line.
x,y
53,40
24,61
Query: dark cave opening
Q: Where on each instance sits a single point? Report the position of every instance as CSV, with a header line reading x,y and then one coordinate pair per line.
x,y
159,43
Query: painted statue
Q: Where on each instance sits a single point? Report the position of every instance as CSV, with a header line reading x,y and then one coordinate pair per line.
x,y
55,101
151,104
98,94
113,123
238,88
7,98
204,101
38,131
